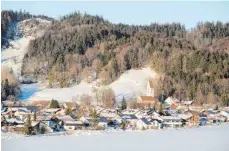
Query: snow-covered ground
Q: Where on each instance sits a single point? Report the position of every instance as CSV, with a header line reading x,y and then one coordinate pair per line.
x,y
132,82
209,138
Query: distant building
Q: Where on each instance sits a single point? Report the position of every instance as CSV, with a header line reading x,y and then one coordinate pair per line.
x,y
149,98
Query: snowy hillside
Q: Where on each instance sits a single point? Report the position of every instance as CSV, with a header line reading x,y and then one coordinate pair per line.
x,y
132,82
12,56
209,138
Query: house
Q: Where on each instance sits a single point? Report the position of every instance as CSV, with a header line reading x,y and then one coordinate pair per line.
x,y
186,117
156,123
99,109
194,120
171,100
103,121
21,113
87,120
203,119
49,122
130,111
143,123
109,113
70,105
14,122
187,103
171,121
40,104
35,126
68,122
131,119
144,114
173,106
51,111
225,113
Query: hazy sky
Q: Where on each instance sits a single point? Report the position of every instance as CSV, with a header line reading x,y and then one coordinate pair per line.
x,y
188,13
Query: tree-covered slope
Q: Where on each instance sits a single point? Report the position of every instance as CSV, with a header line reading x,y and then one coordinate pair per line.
x,y
193,64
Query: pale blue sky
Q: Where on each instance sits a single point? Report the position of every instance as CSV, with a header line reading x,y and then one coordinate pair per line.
x,y
188,13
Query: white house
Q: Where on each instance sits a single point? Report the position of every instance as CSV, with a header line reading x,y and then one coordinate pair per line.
x,y
143,123
156,123
226,114
171,121
68,122
131,119
108,113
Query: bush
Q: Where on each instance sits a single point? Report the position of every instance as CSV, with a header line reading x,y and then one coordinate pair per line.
x,y
143,128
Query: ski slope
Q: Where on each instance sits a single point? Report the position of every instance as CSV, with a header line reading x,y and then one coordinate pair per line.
x,y
130,83
209,138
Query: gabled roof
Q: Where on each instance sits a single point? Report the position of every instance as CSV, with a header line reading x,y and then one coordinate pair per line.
x,y
148,98
103,119
70,104
154,119
144,120
39,103
173,106
65,118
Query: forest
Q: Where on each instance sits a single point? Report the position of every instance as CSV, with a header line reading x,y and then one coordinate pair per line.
x,y
10,17
193,64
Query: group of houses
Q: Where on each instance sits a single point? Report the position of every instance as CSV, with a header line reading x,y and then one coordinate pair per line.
x,y
174,114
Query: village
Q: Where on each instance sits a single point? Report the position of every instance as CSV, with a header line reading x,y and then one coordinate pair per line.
x,y
46,117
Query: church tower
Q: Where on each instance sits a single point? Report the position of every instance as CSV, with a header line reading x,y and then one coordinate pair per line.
x,y
150,89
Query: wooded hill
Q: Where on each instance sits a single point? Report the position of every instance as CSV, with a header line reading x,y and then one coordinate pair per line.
x,y
10,17
193,64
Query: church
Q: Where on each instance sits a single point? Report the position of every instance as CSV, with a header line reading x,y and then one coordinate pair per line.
x,y
150,94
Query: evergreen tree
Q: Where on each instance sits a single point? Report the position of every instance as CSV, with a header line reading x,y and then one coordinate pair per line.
x,y
54,104
42,130
35,116
28,126
94,117
123,104
160,110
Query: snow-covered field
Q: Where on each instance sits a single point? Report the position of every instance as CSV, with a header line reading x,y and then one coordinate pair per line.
x,y
130,83
209,138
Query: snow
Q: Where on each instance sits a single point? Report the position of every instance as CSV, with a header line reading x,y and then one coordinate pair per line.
x,y
130,83
62,94
12,56
28,90
209,138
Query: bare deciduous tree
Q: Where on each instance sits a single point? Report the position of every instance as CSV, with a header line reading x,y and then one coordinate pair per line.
x,y
108,98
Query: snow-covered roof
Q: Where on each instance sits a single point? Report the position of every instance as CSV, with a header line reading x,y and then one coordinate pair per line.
x,y
108,113
65,118
170,118
130,111
129,116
